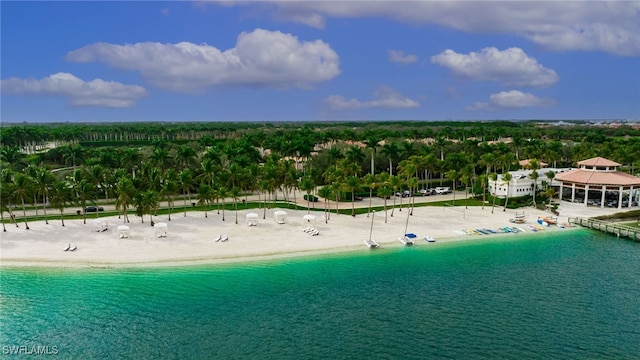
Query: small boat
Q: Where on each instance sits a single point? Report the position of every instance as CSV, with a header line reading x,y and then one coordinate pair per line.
x,y
429,238
371,244
407,240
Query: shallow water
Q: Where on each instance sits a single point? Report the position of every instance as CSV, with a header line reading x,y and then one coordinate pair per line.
x,y
560,295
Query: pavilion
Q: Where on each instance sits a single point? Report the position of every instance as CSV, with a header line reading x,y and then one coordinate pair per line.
x,y
598,182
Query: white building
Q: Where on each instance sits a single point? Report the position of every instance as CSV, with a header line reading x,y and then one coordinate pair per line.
x,y
521,183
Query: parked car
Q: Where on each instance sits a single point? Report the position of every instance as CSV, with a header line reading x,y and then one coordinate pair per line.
x,y
443,190
93,209
357,198
427,192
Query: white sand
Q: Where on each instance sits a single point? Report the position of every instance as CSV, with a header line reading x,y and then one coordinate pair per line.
x,y
190,239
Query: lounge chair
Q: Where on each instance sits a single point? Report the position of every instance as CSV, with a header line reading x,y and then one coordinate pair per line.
x,y
67,248
73,248
218,238
225,237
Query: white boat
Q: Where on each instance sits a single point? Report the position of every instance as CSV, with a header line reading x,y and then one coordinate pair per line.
x,y
406,240
371,244
429,238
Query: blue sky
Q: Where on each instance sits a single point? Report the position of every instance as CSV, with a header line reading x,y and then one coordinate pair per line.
x,y
319,60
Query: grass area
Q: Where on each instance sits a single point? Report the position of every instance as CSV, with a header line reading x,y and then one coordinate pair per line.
x,y
627,215
633,224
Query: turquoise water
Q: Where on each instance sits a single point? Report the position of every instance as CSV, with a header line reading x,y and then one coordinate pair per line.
x,y
573,295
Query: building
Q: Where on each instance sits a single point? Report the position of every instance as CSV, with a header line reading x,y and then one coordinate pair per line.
x,y
521,183
599,183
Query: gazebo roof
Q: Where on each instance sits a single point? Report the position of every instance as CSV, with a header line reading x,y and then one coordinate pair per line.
x,y
581,176
598,161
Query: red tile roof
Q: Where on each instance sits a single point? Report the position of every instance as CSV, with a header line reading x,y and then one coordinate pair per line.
x,y
591,177
598,161
527,162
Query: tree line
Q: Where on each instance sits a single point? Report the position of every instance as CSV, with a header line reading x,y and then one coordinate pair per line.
x,y
221,163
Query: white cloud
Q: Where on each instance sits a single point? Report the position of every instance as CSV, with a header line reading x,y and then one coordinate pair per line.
x,y
512,99
78,92
384,97
610,26
399,56
260,58
510,67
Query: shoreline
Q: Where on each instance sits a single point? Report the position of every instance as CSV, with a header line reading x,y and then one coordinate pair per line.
x,y
190,240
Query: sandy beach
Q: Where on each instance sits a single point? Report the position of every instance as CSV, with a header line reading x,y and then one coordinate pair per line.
x,y
191,239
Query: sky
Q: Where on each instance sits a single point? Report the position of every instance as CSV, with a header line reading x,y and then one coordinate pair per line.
x,y
124,61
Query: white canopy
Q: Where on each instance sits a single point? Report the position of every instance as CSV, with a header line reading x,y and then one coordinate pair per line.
x,y
123,231
161,229
309,218
252,219
281,216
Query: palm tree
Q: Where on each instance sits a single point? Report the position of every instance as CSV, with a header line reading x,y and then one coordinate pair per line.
x,y
506,178
413,188
469,172
204,196
185,180
22,187
307,185
453,176
534,176
325,192
372,143
59,196
494,177
395,183
42,180
336,188
222,194
370,181
124,196
534,165
384,192
392,150
483,184
185,156
353,184
235,195
146,202
85,191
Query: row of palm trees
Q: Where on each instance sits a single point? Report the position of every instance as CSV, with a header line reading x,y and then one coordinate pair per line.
x,y
142,178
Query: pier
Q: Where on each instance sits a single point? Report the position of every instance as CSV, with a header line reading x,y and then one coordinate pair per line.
x,y
611,228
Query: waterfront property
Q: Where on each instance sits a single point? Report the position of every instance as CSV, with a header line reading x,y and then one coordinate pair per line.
x,y
599,183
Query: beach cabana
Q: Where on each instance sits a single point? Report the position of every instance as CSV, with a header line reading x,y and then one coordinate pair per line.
x,y
100,226
281,216
252,219
123,231
160,229
309,218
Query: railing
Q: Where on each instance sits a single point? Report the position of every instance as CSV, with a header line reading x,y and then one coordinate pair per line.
x,y
615,229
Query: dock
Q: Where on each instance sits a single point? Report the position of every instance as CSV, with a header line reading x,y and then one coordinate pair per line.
x,y
611,228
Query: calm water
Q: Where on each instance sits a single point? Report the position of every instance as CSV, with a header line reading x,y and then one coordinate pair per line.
x,y
567,296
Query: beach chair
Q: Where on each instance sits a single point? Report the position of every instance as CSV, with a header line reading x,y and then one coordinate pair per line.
x,y
67,248
218,238
224,238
